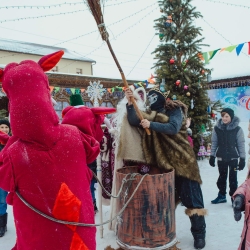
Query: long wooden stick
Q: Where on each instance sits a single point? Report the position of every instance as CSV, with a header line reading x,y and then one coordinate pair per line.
x,y
95,8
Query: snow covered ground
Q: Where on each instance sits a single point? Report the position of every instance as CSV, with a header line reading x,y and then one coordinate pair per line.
x,y
223,232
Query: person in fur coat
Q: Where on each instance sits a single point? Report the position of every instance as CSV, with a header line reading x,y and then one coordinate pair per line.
x,y
241,203
171,143
44,164
228,145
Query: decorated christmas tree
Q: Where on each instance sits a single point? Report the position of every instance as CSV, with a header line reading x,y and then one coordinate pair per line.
x,y
180,67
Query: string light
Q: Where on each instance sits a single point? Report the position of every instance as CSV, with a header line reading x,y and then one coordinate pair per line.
x,y
141,55
74,38
39,6
35,17
114,39
231,4
220,34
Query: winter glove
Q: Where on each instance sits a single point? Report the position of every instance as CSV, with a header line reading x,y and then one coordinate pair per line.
x,y
238,205
242,163
212,161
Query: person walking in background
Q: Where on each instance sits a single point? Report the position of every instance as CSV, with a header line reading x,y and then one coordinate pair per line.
x,y
241,203
228,145
5,128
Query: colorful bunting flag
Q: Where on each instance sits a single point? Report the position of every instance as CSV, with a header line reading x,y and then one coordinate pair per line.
x,y
213,53
239,48
230,48
205,56
57,89
51,88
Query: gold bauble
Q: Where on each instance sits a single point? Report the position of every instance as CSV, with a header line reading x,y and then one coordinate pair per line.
x,y
177,41
188,93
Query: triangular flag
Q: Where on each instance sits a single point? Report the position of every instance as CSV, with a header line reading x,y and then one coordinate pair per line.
x,y
230,48
73,90
82,90
51,88
205,56
57,89
212,53
3,90
223,49
239,48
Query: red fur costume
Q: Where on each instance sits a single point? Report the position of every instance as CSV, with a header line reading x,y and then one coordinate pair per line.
x,y
46,162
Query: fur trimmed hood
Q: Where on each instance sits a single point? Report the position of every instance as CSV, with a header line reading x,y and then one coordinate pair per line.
x,y
232,125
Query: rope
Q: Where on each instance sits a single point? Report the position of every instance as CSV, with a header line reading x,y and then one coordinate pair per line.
x,y
123,183
78,223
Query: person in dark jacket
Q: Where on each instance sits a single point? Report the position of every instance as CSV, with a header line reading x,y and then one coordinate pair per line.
x,y
228,145
188,191
5,128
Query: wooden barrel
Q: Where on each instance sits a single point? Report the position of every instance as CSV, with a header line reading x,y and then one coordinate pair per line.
x,y
148,222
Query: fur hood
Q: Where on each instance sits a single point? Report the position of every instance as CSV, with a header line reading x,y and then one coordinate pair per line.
x,y
232,125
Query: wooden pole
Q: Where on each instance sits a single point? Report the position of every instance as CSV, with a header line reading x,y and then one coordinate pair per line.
x,y
138,112
99,176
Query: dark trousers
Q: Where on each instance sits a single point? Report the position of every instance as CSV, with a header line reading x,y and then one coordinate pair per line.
x,y
223,167
189,192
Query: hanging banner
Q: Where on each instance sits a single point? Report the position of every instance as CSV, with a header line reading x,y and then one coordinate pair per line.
x,y
212,53
237,99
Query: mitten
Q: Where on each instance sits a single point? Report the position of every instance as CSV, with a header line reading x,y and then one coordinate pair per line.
x,y
242,163
238,204
212,161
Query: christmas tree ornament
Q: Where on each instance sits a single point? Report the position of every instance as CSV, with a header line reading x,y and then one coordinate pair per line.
x,y
177,41
209,109
161,35
168,21
185,87
188,93
178,82
202,71
162,85
209,78
174,97
192,103
172,61
161,10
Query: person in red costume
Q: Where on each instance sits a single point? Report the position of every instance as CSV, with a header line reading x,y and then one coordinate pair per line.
x,y
45,164
89,121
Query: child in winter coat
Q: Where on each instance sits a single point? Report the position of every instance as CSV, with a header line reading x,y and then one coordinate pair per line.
x,y
241,203
228,144
5,128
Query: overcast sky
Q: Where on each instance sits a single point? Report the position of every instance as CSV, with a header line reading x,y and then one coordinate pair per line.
x,y
130,26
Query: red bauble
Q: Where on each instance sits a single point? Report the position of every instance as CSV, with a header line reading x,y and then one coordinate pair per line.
x,y
212,115
172,61
178,82
203,72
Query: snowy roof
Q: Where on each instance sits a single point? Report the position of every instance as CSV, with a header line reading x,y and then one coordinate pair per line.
x,y
39,49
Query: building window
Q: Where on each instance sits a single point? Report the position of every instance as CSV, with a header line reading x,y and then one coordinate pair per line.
x,y
79,71
55,69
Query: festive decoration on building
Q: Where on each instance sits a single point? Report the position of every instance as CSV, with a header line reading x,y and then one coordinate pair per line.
x,y
207,56
95,92
185,87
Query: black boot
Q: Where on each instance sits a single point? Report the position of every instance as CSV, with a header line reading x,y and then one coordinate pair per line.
x,y
3,224
198,226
